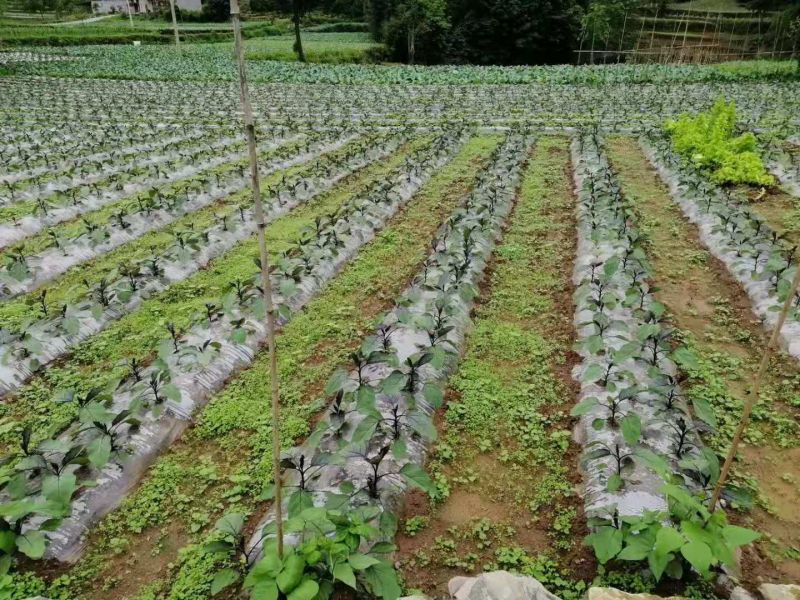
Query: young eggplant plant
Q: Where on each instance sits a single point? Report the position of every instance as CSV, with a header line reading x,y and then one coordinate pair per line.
x,y
379,454
628,373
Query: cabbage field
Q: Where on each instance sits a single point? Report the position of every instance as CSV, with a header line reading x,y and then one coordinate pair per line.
x,y
519,313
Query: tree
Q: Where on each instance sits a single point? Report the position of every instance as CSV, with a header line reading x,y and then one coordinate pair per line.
x,y
478,31
37,6
378,13
297,12
765,6
216,10
417,17
514,31
607,23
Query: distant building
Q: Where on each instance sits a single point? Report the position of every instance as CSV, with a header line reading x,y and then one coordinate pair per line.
x,y
103,7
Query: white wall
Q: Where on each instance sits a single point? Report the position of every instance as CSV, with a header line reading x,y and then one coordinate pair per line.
x,y
108,6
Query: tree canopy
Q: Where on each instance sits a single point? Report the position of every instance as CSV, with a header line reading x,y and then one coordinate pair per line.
x,y
478,31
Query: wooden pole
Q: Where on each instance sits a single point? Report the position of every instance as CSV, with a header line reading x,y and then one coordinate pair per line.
x,y
683,44
653,33
258,212
638,41
130,12
752,398
174,23
622,36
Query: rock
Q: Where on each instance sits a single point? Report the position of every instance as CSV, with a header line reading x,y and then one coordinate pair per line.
x,y
414,597
597,593
772,591
498,585
739,593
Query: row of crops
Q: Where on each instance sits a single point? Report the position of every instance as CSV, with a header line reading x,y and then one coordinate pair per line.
x,y
132,336
212,62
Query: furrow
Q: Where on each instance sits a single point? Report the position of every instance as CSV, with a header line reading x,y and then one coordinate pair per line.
x,y
752,252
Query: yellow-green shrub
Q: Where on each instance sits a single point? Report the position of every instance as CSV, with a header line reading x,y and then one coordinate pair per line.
x,y
707,140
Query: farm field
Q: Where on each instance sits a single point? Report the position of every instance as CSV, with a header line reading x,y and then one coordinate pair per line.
x,y
519,312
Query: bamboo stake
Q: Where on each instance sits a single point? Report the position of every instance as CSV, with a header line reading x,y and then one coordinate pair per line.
x,y
652,34
675,37
258,212
752,398
174,23
716,38
130,12
683,43
622,36
777,36
730,38
638,41
703,36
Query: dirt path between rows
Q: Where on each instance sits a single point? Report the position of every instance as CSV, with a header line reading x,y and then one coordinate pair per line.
x,y
504,463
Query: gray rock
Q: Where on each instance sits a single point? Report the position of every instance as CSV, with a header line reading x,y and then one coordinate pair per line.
x,y
739,593
772,591
498,585
609,593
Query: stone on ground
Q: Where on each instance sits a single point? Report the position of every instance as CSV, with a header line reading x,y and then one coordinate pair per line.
x,y
598,593
772,591
498,585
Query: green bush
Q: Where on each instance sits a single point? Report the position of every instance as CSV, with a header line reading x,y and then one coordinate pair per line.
x,y
708,141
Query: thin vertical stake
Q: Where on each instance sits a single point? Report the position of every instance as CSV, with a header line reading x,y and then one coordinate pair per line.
x,y
752,398
258,212
174,24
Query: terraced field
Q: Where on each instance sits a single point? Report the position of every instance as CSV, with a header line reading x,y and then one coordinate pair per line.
x,y
516,329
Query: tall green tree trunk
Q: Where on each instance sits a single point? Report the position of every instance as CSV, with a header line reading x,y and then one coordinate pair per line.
x,y
298,42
